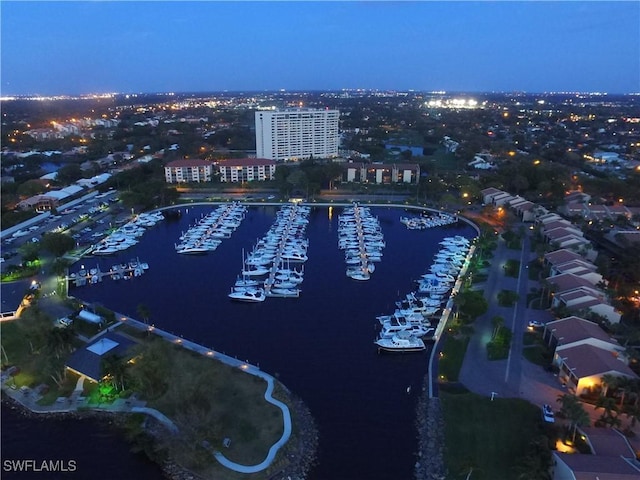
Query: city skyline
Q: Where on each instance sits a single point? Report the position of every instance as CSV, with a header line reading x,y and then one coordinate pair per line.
x,y
73,48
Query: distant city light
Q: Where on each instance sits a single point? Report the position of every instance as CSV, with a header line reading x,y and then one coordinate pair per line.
x,y
454,103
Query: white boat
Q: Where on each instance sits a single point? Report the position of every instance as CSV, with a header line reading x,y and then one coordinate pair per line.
x,y
251,295
192,250
246,282
401,342
285,292
255,272
397,317
358,273
389,330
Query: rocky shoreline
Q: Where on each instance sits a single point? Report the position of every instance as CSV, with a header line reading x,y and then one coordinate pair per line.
x,y
300,454
430,425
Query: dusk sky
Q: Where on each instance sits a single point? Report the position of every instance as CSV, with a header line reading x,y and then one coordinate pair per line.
x,y
51,48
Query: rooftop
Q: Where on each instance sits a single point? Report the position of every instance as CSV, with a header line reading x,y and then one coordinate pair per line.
x,y
572,329
88,360
587,361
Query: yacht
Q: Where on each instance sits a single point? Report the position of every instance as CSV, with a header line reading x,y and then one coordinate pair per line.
x,y
285,292
252,295
400,342
389,331
246,282
358,273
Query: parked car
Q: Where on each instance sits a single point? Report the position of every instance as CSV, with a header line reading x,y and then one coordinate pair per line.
x,y
547,414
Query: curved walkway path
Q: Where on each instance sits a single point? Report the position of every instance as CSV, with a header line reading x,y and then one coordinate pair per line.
x,y
233,362
276,446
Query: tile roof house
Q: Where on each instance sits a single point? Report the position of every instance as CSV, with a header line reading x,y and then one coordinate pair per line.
x,y
583,366
572,331
548,217
488,194
501,199
596,212
570,466
577,196
525,209
607,442
568,281
573,209
561,256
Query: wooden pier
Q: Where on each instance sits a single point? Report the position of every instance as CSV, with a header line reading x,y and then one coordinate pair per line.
x,y
124,271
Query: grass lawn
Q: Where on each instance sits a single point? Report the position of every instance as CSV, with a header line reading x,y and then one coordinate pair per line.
x,y
64,390
86,329
513,240
24,343
535,350
507,298
14,273
498,348
535,270
479,278
489,436
210,401
452,355
512,268
445,160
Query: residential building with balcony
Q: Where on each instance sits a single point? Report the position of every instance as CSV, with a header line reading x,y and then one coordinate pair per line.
x,y
188,171
246,170
297,134
383,173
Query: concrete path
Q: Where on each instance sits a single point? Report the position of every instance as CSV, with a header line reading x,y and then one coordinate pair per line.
x,y
29,399
233,362
157,415
276,446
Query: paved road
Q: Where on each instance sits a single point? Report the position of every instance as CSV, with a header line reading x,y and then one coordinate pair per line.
x,y
508,377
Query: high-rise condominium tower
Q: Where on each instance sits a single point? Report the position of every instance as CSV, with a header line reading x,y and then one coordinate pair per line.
x,y
297,134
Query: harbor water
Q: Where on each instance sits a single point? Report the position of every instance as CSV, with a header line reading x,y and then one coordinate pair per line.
x,y
319,345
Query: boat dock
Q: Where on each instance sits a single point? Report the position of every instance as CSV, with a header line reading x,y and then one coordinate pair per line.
x,y
124,271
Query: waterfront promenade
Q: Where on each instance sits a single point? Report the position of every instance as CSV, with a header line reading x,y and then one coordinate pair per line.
x,y
28,397
235,363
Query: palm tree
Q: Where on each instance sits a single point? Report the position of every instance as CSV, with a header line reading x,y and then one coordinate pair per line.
x,y
143,312
610,414
625,386
573,410
115,368
609,381
633,414
497,323
534,465
635,390
59,341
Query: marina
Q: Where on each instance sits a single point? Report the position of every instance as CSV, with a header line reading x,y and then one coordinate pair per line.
x,y
208,232
362,410
415,317
361,238
126,236
429,221
121,271
284,244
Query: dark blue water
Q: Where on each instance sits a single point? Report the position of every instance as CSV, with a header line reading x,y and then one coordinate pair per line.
x,y
319,345
96,448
